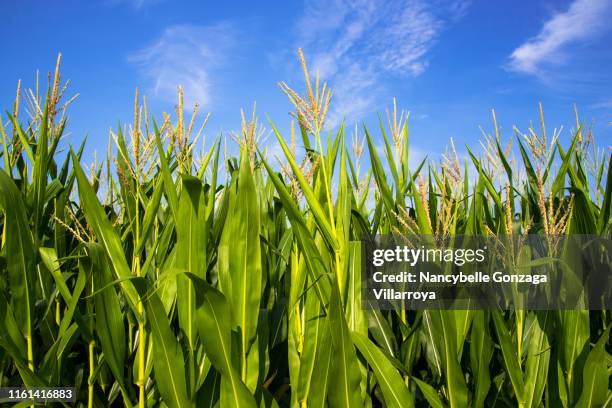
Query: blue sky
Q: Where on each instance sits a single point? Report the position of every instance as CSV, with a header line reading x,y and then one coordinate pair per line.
x,y
447,62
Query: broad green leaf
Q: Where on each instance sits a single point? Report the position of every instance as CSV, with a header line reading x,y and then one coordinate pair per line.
x,y
214,324
109,322
595,375
379,175
355,314
168,361
107,236
430,393
538,356
190,251
240,273
150,215
320,216
509,355
394,390
19,253
481,351
444,320
315,265
345,373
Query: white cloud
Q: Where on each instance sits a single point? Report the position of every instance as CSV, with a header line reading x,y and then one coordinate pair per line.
x,y
355,44
583,20
185,55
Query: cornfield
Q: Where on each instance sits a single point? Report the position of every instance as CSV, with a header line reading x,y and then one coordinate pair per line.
x,y
167,275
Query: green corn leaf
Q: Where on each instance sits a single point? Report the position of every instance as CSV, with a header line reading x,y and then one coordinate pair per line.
x,y
109,323
595,376
381,331
19,252
107,236
343,224
389,154
559,181
481,351
315,264
240,273
429,393
214,324
423,221
573,336
25,143
8,165
394,390
168,359
315,367
127,184
10,335
319,214
508,352
605,215
379,175
531,174
488,183
355,314
190,252
538,358
166,174
150,215
446,338
39,181
345,373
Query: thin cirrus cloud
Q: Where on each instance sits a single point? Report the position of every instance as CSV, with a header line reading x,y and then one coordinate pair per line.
x,y
135,4
185,55
583,20
354,45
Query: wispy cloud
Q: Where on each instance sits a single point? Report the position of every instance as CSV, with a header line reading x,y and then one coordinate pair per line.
x,y
355,44
606,104
185,55
583,20
135,4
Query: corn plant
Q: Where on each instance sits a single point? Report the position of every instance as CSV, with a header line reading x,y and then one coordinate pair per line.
x,y
169,276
